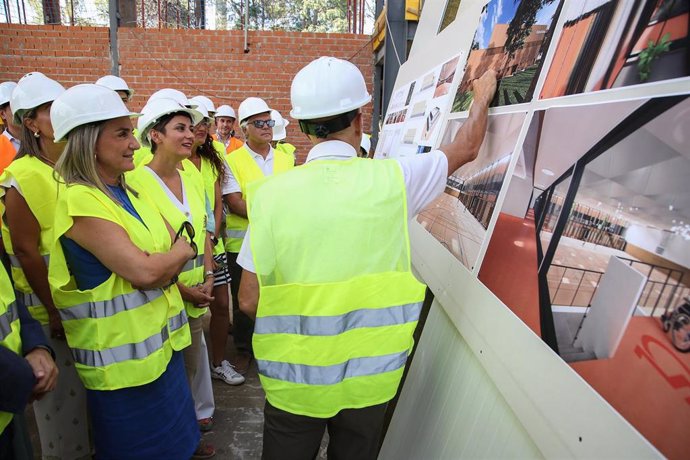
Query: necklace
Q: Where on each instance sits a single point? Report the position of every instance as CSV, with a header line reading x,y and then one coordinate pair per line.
x,y
46,160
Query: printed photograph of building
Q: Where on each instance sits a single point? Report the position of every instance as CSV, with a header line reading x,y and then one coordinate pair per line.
x,y
610,44
511,39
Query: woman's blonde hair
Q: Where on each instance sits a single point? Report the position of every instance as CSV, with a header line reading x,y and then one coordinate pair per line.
x,y
77,164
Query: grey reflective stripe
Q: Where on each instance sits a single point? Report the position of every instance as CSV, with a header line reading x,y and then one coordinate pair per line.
x,y
14,261
235,233
126,352
6,319
178,321
191,264
330,375
106,308
30,299
334,325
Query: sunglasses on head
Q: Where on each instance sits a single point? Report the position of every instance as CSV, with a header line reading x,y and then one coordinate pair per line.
x,y
261,123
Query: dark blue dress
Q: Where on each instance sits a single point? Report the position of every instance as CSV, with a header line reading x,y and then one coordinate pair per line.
x,y
151,421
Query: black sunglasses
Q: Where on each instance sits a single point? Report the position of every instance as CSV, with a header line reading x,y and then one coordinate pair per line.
x,y
187,227
261,123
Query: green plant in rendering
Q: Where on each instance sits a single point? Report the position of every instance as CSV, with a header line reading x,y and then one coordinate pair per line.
x,y
648,55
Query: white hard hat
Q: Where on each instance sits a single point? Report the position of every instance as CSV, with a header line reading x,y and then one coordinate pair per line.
x,y
6,89
252,106
82,104
33,89
365,143
157,108
204,101
175,95
279,128
115,83
325,87
225,111
202,110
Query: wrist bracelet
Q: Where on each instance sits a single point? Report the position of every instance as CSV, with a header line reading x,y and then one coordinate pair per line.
x,y
208,274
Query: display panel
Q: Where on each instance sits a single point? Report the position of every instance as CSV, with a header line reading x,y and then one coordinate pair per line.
x,y
459,217
610,44
512,39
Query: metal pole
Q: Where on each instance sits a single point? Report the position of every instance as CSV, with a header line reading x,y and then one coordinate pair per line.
x,y
246,26
114,54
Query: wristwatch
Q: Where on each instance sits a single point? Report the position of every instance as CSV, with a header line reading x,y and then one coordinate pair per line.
x,y
214,240
208,274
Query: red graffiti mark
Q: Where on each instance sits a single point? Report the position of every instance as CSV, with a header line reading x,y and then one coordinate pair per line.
x,y
675,380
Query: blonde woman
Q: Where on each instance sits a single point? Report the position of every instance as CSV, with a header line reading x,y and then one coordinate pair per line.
x,y
29,192
113,264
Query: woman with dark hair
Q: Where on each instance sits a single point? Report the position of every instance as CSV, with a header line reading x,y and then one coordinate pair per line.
x,y
180,197
29,192
208,159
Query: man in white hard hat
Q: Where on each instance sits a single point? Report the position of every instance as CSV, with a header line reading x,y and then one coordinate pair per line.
x,y
10,138
225,128
279,136
327,271
118,85
253,161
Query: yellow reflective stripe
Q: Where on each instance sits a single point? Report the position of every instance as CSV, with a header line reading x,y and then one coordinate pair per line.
x,y
331,375
191,264
338,324
178,321
106,308
14,261
29,299
235,233
6,320
126,352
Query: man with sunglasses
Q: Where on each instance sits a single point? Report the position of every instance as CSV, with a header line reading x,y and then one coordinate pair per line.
x,y
255,160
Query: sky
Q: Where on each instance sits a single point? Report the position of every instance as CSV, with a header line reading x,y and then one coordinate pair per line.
x,y
501,12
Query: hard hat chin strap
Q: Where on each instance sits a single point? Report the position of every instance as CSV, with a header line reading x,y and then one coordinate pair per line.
x,y
322,129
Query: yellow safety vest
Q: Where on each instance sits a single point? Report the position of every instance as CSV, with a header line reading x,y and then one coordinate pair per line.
x,y
142,155
10,337
146,183
119,336
246,171
40,191
286,147
209,177
336,310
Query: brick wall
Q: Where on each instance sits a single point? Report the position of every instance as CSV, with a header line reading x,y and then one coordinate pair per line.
x,y
212,63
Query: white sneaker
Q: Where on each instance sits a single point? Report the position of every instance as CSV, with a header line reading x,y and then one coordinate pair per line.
x,y
227,374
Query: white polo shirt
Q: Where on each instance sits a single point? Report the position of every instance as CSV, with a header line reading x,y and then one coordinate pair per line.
x,y
425,179
230,184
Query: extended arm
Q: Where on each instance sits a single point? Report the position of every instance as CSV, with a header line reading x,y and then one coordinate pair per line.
x,y
468,140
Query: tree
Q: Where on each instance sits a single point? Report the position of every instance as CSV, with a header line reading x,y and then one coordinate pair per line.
x,y
521,25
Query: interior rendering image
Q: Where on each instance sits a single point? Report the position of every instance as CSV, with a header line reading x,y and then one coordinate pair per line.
x,y
592,247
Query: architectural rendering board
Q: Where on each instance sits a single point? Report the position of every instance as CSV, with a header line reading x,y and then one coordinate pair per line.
x,y
601,174
511,39
422,112
609,44
459,218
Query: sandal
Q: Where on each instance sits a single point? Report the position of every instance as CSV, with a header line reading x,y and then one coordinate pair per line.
x,y
204,450
205,424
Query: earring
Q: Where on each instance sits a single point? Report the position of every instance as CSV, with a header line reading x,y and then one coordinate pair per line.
x,y
37,134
